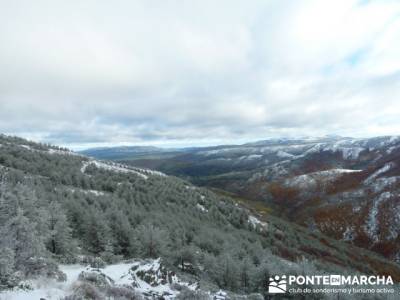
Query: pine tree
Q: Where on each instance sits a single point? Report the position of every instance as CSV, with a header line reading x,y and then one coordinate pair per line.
x,y
22,238
229,273
186,258
8,205
97,235
60,241
245,272
124,235
7,265
152,240
261,278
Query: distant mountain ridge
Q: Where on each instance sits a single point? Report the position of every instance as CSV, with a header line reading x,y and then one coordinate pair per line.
x,y
345,187
119,152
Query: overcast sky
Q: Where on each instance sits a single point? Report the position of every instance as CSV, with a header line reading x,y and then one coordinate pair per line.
x,y
179,73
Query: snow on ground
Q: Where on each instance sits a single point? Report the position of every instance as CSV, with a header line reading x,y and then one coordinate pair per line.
x,y
226,150
135,274
371,226
283,154
305,181
115,167
201,207
110,167
45,290
382,170
48,289
391,149
187,187
50,150
26,147
94,192
119,273
383,183
256,222
349,152
149,172
102,165
348,234
310,180
250,157
394,227
277,169
160,282
62,152
220,295
85,164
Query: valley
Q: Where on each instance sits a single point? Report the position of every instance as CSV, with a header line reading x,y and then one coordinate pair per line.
x,y
346,188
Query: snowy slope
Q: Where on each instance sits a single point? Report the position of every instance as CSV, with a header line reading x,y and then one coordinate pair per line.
x,y
146,277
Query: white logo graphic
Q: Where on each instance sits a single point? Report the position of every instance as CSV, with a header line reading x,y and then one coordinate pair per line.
x,y
335,280
277,285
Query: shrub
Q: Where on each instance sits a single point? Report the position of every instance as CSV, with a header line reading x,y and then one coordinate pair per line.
x,y
122,293
96,278
86,290
94,262
39,266
255,297
187,294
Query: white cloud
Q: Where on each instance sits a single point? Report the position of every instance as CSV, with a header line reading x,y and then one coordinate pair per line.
x,y
190,72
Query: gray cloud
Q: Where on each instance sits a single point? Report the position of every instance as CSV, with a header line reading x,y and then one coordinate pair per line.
x,y
83,73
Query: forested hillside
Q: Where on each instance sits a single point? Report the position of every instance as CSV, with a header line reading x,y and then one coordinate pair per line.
x,y
58,207
347,188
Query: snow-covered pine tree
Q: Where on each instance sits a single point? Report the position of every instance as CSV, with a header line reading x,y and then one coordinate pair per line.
x,y
22,238
60,240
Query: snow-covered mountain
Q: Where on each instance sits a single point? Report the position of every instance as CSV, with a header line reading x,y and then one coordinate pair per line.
x,y
345,187
148,235
145,234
